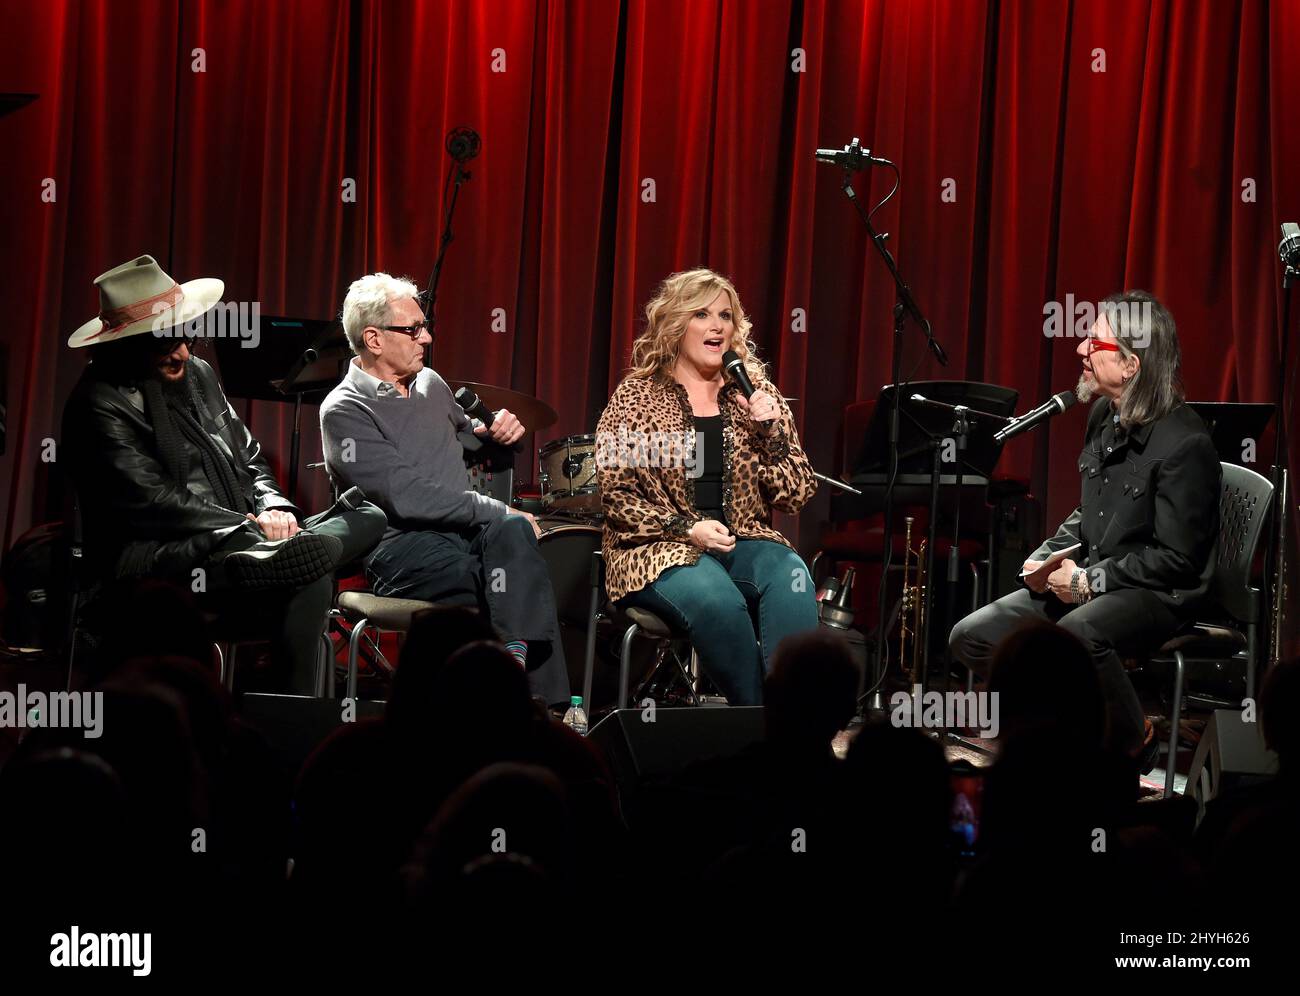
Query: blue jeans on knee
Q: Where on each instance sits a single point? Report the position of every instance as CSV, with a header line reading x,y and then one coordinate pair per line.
x,y
712,600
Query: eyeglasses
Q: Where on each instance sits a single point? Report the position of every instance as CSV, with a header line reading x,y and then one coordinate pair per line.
x,y
1096,345
165,345
411,330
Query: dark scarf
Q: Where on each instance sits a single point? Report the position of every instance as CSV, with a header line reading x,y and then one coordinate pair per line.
x,y
175,425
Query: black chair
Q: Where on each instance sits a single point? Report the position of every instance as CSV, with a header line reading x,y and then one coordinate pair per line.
x,y
368,613
672,647
1243,512
80,583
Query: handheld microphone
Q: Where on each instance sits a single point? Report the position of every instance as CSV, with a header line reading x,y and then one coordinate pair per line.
x,y
473,406
1023,423
735,367
852,157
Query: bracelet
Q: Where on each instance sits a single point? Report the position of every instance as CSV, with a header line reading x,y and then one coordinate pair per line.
x,y
1079,587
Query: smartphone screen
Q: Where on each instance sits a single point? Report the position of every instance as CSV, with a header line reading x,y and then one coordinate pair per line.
x,y
967,804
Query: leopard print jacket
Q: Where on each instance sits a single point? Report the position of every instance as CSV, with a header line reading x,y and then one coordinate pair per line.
x,y
648,496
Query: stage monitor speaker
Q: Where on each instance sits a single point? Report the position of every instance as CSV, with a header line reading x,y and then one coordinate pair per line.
x,y
295,725
638,749
1231,755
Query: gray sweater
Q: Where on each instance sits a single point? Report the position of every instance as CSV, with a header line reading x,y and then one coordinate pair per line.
x,y
405,453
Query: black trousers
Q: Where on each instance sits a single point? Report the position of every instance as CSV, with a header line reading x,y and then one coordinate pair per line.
x,y
497,567
1118,624
296,615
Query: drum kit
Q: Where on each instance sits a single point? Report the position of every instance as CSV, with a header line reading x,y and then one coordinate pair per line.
x,y
568,505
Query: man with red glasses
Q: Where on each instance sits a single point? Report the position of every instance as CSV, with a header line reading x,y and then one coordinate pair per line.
x,y
393,428
1146,522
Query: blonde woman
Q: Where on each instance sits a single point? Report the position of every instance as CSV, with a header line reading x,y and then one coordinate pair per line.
x,y
690,473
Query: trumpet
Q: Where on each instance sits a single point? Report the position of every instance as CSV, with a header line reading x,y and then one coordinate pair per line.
x,y
912,608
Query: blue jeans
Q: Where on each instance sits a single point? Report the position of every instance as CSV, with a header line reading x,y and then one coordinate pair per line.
x,y
711,600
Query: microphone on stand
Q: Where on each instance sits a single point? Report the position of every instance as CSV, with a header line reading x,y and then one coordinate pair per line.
x,y
1023,423
474,407
852,157
463,144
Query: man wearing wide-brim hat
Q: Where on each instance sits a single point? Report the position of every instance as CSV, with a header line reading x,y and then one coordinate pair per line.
x,y
171,483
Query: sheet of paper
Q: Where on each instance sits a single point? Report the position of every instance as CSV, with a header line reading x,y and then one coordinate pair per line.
x,y
1052,562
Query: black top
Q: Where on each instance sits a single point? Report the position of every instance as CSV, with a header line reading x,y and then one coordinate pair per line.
x,y
1148,516
708,467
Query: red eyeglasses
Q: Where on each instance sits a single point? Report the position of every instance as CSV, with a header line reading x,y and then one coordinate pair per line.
x,y
1096,345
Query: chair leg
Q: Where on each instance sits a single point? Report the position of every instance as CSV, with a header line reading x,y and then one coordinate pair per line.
x,y
1252,635
74,610
686,667
226,664
625,664
323,666
354,649
589,658
1175,714
330,620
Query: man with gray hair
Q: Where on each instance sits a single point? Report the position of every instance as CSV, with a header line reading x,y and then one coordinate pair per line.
x,y
393,428
1146,523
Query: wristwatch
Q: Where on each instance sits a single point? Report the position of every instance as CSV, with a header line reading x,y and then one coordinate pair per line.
x,y
1079,587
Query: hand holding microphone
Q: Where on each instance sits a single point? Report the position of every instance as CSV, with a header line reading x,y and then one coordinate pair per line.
x,y
762,406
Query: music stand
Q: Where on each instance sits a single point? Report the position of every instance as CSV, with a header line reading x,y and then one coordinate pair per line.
x,y
920,424
1230,422
310,352
922,428
10,102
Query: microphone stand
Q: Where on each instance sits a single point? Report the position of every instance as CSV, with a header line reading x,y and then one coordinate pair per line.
x,y
1276,564
963,418
837,483
308,357
431,294
904,305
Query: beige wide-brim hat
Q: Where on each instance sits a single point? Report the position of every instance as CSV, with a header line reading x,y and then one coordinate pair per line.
x,y
139,297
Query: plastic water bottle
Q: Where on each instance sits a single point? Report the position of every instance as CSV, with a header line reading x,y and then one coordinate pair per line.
x,y
575,719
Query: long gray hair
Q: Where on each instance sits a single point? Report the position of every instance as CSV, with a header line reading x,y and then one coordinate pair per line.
x,y
1144,328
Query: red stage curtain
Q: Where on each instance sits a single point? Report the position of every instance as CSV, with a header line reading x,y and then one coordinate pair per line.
x,y
1169,170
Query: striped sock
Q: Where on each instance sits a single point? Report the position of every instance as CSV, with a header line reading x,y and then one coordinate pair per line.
x,y
520,649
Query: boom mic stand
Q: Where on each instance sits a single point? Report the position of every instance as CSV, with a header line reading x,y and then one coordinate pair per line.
x,y
462,145
904,306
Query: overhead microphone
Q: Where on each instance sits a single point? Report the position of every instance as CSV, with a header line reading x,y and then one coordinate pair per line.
x,y
1289,248
1023,423
474,407
463,144
852,157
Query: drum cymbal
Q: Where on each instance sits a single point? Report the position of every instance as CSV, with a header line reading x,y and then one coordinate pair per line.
x,y
534,413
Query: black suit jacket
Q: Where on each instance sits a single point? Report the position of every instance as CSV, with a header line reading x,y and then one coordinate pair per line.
x,y
1149,512
136,519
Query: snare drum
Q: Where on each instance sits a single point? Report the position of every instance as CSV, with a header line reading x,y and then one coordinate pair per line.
x,y
568,476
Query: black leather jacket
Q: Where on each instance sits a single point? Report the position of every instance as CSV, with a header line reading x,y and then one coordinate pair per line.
x,y
1149,512
136,520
